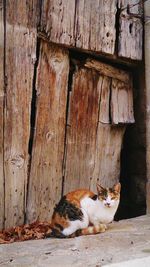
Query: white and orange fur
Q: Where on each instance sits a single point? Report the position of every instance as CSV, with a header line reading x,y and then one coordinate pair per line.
x,y
82,212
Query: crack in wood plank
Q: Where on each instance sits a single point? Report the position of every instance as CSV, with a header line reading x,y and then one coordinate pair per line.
x,y
21,22
45,183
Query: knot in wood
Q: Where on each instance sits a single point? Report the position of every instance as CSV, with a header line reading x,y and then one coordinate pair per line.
x,y
50,136
18,161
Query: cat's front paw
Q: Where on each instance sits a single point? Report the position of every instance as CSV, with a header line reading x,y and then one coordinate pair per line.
x,y
103,227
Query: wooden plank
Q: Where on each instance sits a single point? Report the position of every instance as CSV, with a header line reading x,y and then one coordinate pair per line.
x,y
104,116
82,127
108,70
130,29
20,48
93,148
1,114
95,25
121,93
114,102
92,26
109,141
146,94
121,102
130,101
45,183
57,21
81,24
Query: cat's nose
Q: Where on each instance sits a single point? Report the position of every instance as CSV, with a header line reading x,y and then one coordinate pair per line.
x,y
107,204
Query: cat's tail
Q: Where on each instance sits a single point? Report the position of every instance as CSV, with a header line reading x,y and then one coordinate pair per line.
x,y
90,230
38,230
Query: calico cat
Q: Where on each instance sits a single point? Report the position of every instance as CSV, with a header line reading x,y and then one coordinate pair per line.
x,y
82,212
78,213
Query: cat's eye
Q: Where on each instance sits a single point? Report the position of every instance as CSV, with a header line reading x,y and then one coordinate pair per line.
x,y
102,197
112,198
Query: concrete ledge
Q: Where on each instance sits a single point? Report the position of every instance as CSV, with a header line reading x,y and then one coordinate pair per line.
x,y
143,262
125,243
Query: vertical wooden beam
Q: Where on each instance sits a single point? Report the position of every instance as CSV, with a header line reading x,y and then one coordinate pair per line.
x,y
45,183
1,113
21,21
147,79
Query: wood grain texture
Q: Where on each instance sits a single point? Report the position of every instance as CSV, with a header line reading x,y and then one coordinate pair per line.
x,y
1,114
82,127
93,148
92,25
95,25
82,23
108,70
130,29
104,115
20,48
93,145
45,183
121,102
117,94
147,93
57,21
109,141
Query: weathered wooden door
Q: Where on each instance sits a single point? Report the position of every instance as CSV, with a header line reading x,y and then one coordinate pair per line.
x,y
80,121
80,117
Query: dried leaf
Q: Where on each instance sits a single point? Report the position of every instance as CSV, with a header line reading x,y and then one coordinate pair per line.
x,y
35,230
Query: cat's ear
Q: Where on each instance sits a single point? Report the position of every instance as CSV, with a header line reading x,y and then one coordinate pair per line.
x,y
117,187
100,189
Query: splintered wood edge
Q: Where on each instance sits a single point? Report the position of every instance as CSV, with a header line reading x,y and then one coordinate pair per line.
x,y
108,70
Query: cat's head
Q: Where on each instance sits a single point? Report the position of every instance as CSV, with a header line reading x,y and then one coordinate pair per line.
x,y
109,197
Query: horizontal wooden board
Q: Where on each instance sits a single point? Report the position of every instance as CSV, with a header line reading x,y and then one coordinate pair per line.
x,y
92,25
81,24
45,182
108,70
